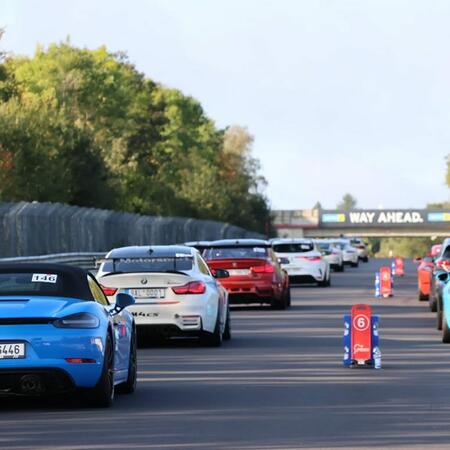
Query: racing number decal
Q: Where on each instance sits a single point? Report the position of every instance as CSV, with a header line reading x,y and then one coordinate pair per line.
x,y
361,334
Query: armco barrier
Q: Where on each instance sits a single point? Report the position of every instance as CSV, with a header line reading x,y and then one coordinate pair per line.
x,y
28,229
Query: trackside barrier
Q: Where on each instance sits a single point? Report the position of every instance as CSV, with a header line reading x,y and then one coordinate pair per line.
x,y
361,338
84,260
53,228
377,285
386,282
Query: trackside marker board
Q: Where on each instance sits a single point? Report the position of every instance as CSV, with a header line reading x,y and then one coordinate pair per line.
x,y
361,340
385,281
399,267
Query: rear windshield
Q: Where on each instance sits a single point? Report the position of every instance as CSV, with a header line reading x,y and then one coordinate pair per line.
x,y
293,248
235,253
157,264
26,283
324,246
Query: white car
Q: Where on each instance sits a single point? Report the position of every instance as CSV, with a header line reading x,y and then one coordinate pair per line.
x,y
349,253
361,248
332,253
175,292
302,261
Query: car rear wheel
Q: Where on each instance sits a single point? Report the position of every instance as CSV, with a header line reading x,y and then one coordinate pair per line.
x,y
422,296
288,297
102,396
355,264
365,259
439,319
445,332
280,303
432,303
227,331
130,385
214,339
341,268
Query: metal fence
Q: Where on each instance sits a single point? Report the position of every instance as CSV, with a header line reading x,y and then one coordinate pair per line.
x,y
50,228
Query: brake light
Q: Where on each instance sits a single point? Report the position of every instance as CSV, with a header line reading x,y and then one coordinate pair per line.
x,y
193,287
266,268
443,263
313,258
108,291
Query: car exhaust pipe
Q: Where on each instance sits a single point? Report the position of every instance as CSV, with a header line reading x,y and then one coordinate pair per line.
x,y
31,384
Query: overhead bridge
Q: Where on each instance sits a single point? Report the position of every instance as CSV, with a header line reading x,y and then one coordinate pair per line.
x,y
363,222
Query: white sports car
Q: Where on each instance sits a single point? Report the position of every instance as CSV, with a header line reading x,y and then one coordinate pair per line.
x,y
349,253
332,253
302,261
175,292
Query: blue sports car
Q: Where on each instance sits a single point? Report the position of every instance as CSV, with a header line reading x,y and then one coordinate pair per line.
x,y
58,332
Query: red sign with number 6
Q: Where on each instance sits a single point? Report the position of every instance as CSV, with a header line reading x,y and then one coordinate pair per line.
x,y
361,333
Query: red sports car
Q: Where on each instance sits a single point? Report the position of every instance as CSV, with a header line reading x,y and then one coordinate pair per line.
x,y
425,270
255,273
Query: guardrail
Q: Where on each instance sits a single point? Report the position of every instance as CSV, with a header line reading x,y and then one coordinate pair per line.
x,y
85,260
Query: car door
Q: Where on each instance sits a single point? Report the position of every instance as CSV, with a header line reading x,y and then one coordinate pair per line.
x,y
122,332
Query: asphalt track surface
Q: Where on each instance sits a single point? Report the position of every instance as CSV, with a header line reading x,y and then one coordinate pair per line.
x,y
279,384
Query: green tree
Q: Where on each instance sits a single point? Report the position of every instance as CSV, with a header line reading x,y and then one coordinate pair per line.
x,y
347,203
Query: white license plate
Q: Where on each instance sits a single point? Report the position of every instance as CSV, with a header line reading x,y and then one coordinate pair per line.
x,y
148,293
238,272
12,350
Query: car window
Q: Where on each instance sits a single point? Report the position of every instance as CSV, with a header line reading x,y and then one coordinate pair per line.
x,y
202,266
97,293
236,252
23,283
324,246
446,253
294,247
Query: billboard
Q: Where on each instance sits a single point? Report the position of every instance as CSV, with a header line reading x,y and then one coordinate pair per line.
x,y
384,218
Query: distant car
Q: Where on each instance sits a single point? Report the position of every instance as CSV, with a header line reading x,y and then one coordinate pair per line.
x,y
331,253
199,245
444,280
176,294
424,272
349,253
303,261
59,332
361,248
441,263
255,275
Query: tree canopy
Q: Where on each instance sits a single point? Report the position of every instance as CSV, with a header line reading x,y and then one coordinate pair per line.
x,y
348,202
85,127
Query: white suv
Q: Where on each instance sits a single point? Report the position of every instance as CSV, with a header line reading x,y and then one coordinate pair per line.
x,y
361,248
302,261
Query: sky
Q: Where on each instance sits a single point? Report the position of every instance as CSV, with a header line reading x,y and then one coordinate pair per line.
x,y
340,95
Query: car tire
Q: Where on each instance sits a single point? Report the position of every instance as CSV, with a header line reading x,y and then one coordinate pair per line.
x,y
227,330
439,319
215,338
130,385
365,259
102,395
288,297
280,304
354,264
432,303
445,332
341,268
422,296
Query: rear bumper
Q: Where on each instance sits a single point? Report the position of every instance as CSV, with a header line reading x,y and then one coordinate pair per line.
x,y
35,381
255,292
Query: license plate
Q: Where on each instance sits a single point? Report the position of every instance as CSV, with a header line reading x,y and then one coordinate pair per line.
x,y
12,350
238,272
148,293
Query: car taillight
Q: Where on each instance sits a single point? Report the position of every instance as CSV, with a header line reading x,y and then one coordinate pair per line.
x,y
108,291
193,287
313,258
443,263
266,268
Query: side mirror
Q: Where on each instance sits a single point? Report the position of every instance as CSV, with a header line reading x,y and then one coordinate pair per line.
x,y
123,300
220,273
283,260
443,276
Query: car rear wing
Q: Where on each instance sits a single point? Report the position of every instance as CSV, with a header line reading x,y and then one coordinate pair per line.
x,y
145,259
